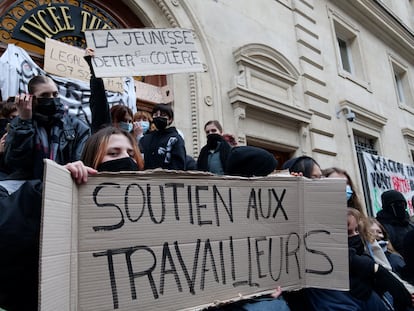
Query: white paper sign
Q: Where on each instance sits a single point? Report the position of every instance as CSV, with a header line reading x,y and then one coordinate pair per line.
x,y
67,61
141,52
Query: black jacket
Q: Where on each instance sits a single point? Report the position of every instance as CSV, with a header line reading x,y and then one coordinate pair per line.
x,y
24,160
163,149
396,228
19,247
224,150
98,102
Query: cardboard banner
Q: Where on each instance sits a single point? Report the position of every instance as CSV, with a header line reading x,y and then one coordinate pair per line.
x,y
180,240
152,93
142,51
67,61
384,174
19,68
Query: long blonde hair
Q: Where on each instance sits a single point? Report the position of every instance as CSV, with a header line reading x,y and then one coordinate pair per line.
x,y
363,228
95,147
371,221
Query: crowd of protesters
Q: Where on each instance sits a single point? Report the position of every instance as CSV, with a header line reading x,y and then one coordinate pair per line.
x,y
35,126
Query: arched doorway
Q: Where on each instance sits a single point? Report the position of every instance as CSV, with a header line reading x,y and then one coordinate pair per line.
x,y
26,23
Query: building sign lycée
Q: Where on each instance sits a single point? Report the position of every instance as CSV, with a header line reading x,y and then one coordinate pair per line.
x,y
32,22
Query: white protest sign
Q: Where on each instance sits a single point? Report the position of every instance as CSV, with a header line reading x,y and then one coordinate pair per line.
x,y
142,52
67,61
384,174
74,93
166,240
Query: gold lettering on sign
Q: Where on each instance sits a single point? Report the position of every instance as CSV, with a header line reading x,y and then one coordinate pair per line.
x,y
30,33
60,19
67,18
85,16
88,22
36,25
40,15
55,18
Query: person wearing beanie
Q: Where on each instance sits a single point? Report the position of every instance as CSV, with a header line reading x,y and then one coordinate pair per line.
x,y
248,161
394,217
165,147
213,156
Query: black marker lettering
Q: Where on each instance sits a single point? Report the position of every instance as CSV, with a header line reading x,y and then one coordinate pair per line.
x,y
280,259
279,203
252,204
174,186
166,254
228,207
313,251
150,207
207,249
258,254
133,275
95,200
190,281
127,202
293,252
200,206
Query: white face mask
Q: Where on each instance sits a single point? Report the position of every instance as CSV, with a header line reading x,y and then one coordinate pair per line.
x,y
126,126
145,126
349,192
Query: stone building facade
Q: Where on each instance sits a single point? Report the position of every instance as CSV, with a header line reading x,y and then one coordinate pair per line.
x,y
324,78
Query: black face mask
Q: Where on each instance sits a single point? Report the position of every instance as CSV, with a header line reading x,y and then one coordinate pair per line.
x,y
398,209
160,122
47,110
212,140
356,243
123,164
47,106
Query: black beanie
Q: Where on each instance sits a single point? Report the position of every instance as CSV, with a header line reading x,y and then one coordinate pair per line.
x,y
391,196
250,161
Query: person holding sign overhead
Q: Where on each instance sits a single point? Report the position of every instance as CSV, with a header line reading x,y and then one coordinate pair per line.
x,y
163,148
120,116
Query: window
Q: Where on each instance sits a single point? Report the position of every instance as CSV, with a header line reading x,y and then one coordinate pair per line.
x,y
364,143
345,54
408,134
348,49
400,89
402,83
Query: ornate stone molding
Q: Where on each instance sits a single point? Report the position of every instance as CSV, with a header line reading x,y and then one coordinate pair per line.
x,y
194,113
167,13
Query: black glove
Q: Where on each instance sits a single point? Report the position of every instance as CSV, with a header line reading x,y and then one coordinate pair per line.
x,y
386,282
